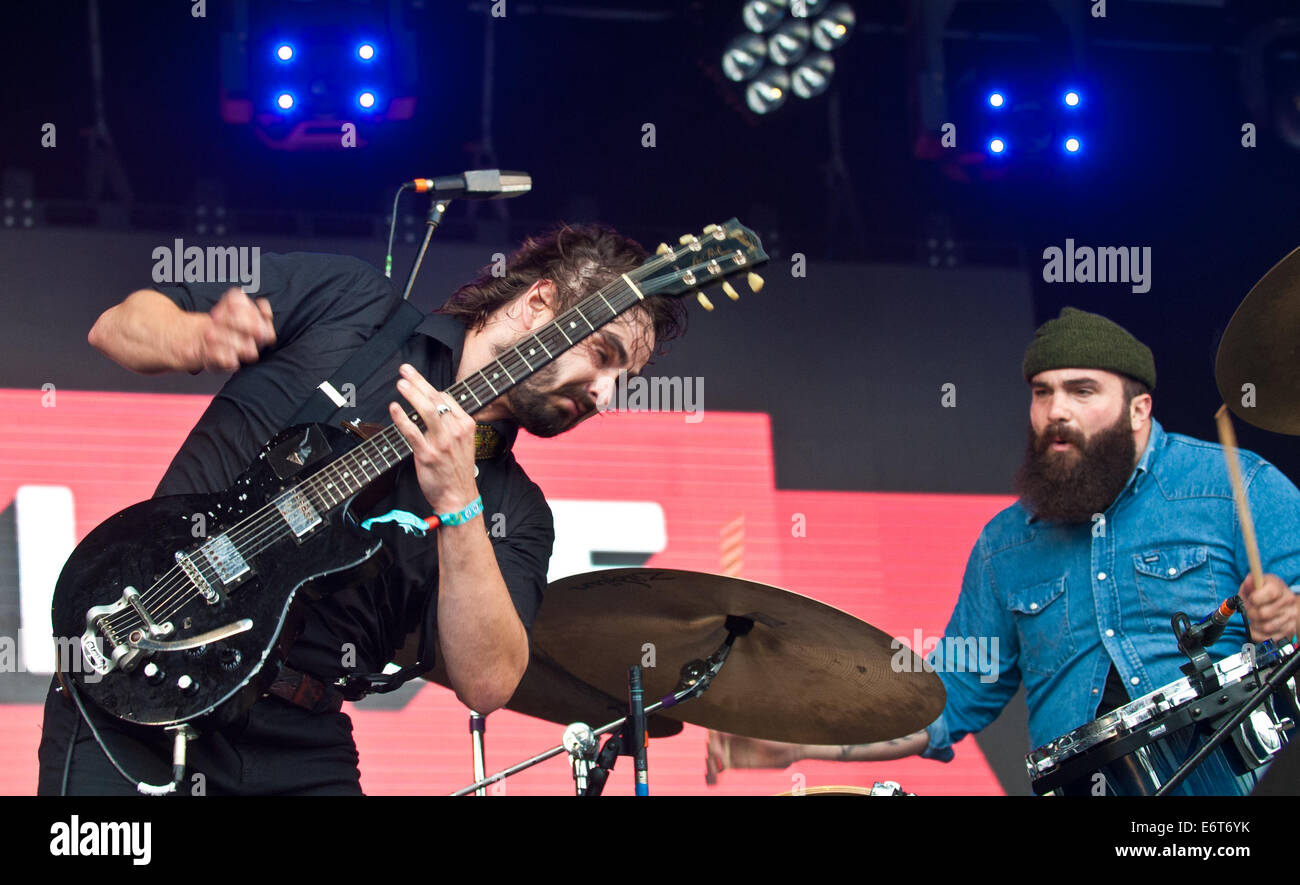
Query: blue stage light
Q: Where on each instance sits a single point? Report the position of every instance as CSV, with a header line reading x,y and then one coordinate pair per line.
x,y
284,101
997,99
366,100
1071,99
366,51
284,52
997,145
1072,145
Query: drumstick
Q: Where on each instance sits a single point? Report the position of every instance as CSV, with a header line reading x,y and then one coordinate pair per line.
x,y
1228,439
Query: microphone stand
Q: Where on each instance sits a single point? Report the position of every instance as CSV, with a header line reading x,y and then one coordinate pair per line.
x,y
431,223
696,676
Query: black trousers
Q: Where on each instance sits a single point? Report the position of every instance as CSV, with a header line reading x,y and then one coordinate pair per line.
x,y
275,749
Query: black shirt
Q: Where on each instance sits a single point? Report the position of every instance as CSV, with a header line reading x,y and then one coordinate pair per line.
x,y
324,307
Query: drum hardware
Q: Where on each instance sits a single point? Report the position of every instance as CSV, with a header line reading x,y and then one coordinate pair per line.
x,y
696,677
1273,683
879,788
477,728
1138,748
1195,639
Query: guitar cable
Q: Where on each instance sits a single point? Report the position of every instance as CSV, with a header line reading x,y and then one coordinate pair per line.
x,y
178,763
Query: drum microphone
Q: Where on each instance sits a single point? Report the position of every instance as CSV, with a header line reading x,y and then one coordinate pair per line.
x,y
1207,631
477,184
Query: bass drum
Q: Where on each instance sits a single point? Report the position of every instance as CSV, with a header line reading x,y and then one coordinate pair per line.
x,y
1135,749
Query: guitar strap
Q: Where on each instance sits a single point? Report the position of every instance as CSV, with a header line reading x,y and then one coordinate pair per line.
x,y
358,368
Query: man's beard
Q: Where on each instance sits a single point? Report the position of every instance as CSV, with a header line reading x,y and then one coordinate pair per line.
x,y
1073,485
537,413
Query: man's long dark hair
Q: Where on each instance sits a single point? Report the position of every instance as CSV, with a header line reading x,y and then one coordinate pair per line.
x,y
578,259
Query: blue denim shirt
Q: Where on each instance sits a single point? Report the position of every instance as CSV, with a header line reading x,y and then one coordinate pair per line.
x,y
1064,601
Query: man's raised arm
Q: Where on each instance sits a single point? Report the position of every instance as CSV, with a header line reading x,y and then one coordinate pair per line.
x,y
148,333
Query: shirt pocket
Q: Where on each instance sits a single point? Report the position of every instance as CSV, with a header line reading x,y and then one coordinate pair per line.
x,y
1174,578
1042,616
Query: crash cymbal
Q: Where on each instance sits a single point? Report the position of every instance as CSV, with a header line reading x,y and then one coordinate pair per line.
x,y
548,692
1261,347
806,673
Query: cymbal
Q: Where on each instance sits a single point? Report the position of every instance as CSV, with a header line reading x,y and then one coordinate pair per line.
x,y
806,673
549,692
1261,346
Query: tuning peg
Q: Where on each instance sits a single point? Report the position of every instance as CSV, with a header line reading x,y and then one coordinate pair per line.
x,y
704,301
685,238
730,290
755,281
663,249
710,229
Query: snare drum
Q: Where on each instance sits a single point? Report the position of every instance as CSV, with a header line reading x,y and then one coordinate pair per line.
x,y
1135,749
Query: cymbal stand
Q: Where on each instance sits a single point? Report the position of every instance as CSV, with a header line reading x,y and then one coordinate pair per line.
x,y
696,676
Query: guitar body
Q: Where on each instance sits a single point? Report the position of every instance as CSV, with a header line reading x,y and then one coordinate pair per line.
x,y
180,609
269,572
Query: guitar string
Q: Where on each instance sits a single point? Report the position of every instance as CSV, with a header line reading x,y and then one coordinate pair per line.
x,y
341,470
272,523
269,522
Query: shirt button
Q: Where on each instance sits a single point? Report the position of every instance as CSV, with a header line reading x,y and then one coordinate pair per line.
x,y
1172,570
1135,680
1033,606
1094,691
1101,576
1110,633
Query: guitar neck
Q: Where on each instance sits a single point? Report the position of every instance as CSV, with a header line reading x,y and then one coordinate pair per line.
x,y
353,471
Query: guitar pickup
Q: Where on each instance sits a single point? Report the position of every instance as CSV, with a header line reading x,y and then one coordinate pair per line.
x,y
298,512
224,559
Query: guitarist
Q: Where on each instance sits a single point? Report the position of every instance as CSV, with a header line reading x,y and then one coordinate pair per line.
x,y
473,586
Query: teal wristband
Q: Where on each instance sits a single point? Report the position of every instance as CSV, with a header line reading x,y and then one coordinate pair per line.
x,y
460,517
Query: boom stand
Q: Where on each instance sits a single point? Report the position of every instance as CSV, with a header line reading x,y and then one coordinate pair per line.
x,y
696,676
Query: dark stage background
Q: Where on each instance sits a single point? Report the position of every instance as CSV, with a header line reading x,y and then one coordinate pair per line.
x,y
913,279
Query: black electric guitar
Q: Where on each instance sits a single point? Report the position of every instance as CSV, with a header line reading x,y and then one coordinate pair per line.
x,y
174,628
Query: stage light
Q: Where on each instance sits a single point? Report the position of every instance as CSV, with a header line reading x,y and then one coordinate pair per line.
x,y
812,76
997,99
789,43
832,29
284,101
1071,99
366,100
743,57
761,16
806,8
365,52
768,91
997,146
284,52
1072,145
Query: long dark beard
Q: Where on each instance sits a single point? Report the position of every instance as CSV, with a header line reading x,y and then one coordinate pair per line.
x,y
1069,488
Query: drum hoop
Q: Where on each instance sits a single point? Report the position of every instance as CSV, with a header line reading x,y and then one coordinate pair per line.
x,y
1124,720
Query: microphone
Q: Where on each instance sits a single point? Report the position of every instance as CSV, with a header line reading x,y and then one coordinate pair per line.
x,y
1207,631
477,184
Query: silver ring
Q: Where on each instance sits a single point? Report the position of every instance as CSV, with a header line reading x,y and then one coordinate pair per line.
x,y
443,409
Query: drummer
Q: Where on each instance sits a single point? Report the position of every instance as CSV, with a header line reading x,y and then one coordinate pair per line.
x,y
1118,526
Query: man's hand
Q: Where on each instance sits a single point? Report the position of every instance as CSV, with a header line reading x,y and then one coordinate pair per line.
x,y
1274,611
444,451
237,330
733,751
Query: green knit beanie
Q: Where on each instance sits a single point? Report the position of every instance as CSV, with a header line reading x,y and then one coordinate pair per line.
x,y
1078,339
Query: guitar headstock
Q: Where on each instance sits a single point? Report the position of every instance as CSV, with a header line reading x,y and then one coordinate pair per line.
x,y
717,252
